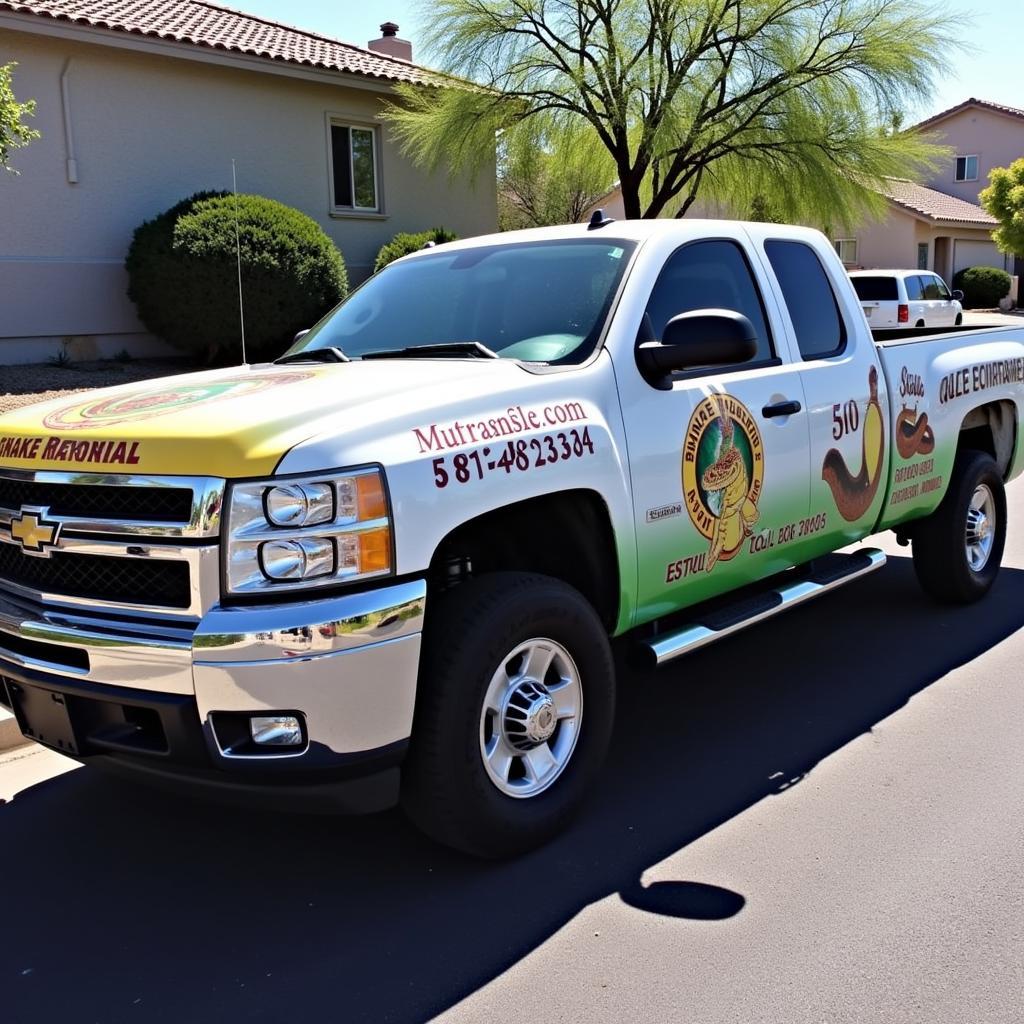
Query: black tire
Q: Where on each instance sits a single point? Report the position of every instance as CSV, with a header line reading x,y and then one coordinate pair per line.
x,y
920,323
940,549
959,320
471,630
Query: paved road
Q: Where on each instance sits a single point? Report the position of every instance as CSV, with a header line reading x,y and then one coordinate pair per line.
x,y
819,821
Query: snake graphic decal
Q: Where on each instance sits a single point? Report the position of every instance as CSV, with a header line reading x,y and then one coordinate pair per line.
x,y
854,494
723,472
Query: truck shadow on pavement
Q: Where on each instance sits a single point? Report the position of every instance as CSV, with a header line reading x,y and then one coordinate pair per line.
x,y
120,904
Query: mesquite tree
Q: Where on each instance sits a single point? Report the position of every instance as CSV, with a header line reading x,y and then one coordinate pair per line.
x,y
787,100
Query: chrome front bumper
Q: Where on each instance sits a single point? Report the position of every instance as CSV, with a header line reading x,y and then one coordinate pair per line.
x,y
348,663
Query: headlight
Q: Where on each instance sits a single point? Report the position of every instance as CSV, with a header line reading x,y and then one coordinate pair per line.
x,y
315,531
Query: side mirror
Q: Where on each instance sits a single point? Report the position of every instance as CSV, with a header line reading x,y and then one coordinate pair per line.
x,y
958,295
298,337
703,337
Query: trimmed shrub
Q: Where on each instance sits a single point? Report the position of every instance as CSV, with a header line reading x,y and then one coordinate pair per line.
x,y
183,275
404,243
983,287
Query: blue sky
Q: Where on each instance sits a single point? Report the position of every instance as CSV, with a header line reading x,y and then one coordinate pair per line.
x,y
990,71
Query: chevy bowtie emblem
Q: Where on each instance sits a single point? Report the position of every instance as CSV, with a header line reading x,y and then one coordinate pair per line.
x,y
35,535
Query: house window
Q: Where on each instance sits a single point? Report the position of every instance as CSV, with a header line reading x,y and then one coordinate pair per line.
x,y
847,249
922,255
354,167
966,168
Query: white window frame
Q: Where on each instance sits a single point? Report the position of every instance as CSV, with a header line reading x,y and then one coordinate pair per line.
x,y
838,244
342,120
965,157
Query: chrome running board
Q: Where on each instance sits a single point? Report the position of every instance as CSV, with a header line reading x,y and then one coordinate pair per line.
x,y
731,619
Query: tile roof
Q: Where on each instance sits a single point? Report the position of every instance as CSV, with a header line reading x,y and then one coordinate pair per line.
x,y
200,23
935,205
972,102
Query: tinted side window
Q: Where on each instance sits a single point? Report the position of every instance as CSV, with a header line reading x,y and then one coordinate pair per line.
x,y
820,330
876,289
915,288
708,275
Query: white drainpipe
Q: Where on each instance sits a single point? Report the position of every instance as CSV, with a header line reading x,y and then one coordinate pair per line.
x,y
69,142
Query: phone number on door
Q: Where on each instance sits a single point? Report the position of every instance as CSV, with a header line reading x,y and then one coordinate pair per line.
x,y
519,455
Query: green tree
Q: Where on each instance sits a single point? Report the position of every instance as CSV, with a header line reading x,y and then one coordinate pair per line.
x,y
550,174
731,99
14,133
1004,199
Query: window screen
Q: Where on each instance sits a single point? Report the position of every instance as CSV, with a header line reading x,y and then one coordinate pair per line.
x,y
876,289
708,275
820,330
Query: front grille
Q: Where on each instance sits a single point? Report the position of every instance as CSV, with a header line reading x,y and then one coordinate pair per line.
x,y
160,583
100,501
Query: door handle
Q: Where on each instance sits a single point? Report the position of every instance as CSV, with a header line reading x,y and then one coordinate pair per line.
x,y
781,409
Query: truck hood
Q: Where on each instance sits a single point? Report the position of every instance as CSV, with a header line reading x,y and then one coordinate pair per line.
x,y
234,422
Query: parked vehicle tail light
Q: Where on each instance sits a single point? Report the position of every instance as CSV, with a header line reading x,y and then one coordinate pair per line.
x,y
903,316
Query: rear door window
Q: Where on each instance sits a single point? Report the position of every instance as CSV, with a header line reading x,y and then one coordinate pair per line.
x,y
876,289
820,330
915,289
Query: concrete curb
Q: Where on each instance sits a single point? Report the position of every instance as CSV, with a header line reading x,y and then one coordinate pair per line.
x,y
10,734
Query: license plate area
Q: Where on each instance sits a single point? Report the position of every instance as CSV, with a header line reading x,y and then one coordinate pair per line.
x,y
43,716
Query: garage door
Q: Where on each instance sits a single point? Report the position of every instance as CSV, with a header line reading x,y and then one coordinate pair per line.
x,y
975,254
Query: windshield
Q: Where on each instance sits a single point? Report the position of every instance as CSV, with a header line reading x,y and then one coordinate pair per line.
x,y
535,301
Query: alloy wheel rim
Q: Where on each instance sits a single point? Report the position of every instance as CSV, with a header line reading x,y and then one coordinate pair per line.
x,y
530,718
980,531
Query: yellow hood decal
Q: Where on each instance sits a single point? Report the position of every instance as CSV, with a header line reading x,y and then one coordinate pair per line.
x,y
219,423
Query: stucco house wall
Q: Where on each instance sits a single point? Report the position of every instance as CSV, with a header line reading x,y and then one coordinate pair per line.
x,y
150,128
995,138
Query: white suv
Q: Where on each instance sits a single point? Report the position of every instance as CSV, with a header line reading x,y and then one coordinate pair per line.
x,y
907,298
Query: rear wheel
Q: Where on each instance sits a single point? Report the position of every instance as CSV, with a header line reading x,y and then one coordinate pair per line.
x,y
958,548
514,714
920,323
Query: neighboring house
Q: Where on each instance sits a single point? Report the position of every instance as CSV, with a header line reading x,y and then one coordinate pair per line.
x,y
939,225
983,135
144,102
924,228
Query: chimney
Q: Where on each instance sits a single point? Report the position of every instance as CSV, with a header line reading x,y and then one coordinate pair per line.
x,y
390,44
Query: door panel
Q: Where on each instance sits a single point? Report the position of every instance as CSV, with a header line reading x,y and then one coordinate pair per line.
x,y
720,487
723,489
847,405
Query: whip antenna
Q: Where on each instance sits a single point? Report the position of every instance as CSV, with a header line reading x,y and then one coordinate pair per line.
x,y
238,257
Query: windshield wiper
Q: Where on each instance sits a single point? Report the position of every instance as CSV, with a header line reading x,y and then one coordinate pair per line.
x,y
445,348
315,355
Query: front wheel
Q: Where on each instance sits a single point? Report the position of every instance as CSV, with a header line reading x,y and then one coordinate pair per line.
x,y
959,320
958,548
514,713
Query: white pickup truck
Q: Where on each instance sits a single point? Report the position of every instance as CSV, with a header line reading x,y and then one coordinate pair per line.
x,y
388,567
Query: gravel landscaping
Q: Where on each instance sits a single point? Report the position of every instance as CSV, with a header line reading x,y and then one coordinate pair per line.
x,y
38,382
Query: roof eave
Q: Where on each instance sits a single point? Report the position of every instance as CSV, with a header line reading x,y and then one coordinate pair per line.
x,y
201,52
944,115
